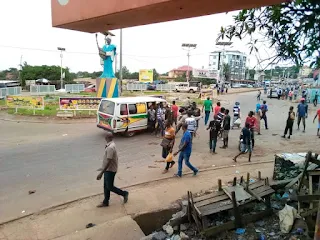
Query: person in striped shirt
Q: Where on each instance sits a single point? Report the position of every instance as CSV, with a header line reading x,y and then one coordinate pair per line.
x,y
236,113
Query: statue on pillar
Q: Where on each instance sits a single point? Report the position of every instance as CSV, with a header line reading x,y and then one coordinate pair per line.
x,y
107,54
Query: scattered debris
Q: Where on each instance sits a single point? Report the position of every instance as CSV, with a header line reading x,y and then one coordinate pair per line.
x,y
32,192
90,225
153,167
23,211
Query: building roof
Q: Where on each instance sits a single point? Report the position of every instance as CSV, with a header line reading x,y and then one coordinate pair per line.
x,y
182,68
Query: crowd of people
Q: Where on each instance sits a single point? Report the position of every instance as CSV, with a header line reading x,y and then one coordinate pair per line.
x,y
161,120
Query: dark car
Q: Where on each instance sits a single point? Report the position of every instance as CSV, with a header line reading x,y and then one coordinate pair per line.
x,y
151,87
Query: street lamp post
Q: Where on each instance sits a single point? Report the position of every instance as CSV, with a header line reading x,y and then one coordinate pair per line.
x,y
61,74
188,47
223,44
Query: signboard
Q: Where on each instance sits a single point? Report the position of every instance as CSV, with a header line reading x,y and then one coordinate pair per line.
x,y
204,73
205,93
146,75
29,102
79,103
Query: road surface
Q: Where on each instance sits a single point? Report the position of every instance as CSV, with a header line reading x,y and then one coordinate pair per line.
x,y
59,161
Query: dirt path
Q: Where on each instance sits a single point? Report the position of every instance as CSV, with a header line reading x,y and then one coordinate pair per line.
x,y
72,218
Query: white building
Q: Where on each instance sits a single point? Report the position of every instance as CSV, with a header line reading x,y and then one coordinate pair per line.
x,y
236,60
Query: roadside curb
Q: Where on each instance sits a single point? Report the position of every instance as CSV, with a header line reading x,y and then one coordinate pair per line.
x,y
53,207
84,121
45,122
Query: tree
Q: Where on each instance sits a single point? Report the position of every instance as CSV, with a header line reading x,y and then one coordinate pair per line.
x,y
291,28
226,71
155,74
51,73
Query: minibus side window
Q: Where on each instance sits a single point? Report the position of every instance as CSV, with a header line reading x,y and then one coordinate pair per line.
x,y
132,109
123,109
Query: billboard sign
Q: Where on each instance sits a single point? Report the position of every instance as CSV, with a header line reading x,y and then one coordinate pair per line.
x,y
204,73
28,102
146,75
79,103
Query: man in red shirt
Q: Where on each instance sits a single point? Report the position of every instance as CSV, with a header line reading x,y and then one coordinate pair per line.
x,y
317,115
175,110
217,108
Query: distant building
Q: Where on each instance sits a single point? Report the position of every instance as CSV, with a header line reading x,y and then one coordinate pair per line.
x,y
180,72
259,76
305,71
236,60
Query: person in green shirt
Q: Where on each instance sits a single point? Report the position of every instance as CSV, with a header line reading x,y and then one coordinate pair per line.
x,y
207,108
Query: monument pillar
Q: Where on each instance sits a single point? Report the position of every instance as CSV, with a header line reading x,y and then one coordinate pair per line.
x,y
107,87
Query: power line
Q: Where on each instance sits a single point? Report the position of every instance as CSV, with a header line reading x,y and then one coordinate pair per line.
x,y
94,53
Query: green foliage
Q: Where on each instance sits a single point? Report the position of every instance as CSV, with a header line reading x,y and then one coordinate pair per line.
x,y
226,71
291,28
48,72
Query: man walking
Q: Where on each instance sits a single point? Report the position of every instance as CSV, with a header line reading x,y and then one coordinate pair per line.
x,y
175,109
245,138
214,127
109,170
317,115
236,112
207,107
264,110
226,128
302,115
185,149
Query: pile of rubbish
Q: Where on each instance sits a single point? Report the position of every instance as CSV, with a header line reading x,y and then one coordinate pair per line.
x,y
294,207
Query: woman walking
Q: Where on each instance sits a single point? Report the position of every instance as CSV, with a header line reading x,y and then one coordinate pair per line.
x,y
167,144
258,118
290,121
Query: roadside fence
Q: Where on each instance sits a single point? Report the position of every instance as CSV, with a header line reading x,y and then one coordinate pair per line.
x,y
165,87
9,91
74,88
42,88
136,86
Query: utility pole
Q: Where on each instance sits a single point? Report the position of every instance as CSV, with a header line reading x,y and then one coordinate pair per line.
x,y
223,44
120,75
61,74
20,69
188,47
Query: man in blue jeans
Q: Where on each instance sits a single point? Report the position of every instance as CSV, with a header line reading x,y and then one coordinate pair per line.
x,y
185,149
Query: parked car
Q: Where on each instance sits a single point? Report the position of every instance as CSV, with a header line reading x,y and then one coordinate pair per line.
x,y
90,88
151,87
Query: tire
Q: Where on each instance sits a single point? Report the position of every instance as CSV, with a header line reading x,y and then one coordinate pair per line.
x,y
130,134
191,91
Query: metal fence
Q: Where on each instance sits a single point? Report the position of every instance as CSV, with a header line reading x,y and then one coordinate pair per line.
x,y
9,91
42,88
74,88
165,87
136,86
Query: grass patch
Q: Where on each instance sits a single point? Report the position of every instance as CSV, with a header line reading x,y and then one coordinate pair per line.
x,y
87,94
2,102
49,110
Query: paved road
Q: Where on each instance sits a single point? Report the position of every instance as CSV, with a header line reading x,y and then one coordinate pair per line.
x,y
60,161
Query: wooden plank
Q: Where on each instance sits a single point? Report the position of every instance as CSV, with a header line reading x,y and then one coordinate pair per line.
x,y
308,157
252,192
309,198
211,200
236,211
309,212
261,189
310,190
210,211
266,193
256,184
315,172
207,196
240,192
219,185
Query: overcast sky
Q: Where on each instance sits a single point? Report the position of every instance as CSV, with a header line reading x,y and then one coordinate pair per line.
x,y
26,30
